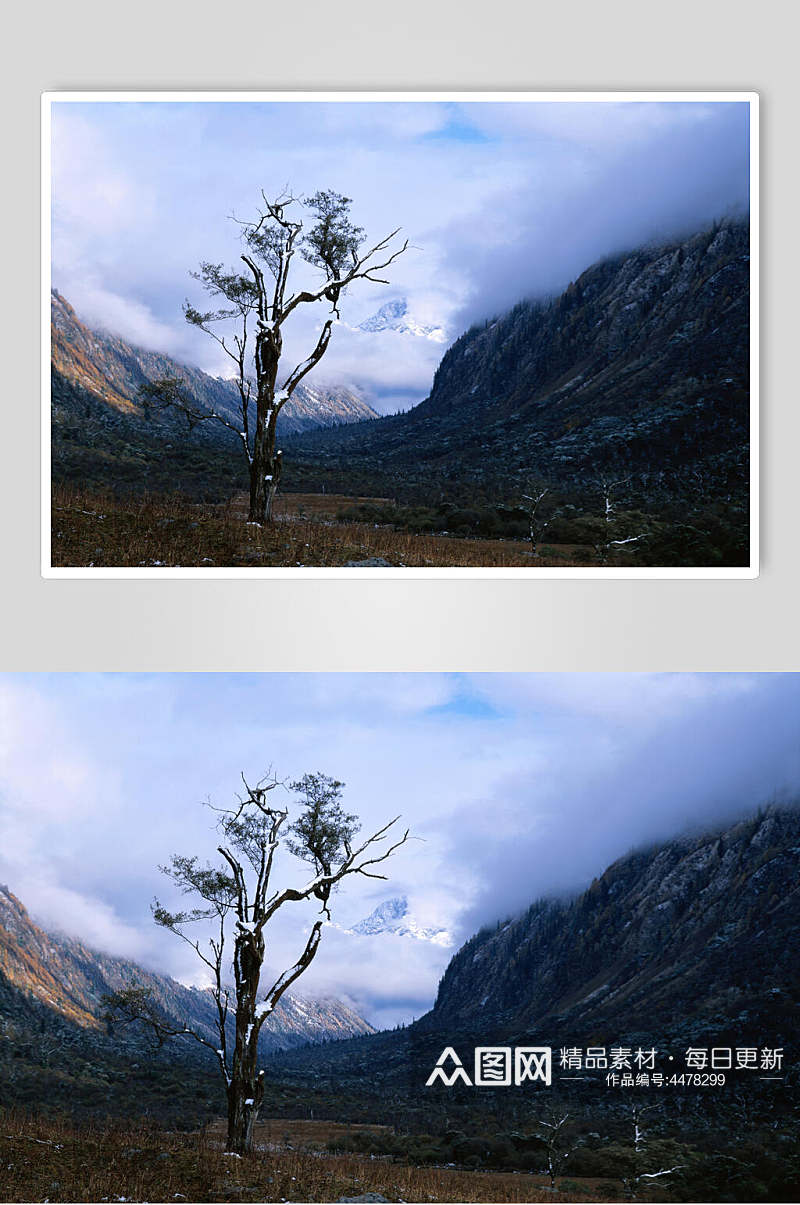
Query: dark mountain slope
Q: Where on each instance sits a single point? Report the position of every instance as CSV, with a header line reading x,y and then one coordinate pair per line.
x,y
640,367
692,943
689,931
694,940
59,1055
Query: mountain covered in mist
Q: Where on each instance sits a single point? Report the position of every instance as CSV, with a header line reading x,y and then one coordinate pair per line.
x,y
396,316
394,916
626,398
101,433
70,979
112,369
693,940
638,370
698,931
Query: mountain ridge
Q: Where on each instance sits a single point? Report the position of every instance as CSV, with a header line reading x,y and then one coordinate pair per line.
x,y
393,916
396,316
69,978
704,919
717,966
106,365
639,370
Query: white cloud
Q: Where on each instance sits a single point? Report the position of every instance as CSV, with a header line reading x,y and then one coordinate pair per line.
x,y
101,308
61,909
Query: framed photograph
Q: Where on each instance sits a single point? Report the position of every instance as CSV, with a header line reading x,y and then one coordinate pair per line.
x,y
400,334
385,937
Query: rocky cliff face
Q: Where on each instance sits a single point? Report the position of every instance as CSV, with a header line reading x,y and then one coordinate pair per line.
x,y
69,980
629,335
640,367
698,931
694,941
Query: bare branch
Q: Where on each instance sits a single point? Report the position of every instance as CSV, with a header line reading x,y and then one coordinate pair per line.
x,y
359,271
322,885
286,980
297,374
170,393
666,1172
135,1004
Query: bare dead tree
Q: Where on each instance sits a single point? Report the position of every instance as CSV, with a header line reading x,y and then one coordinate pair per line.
x,y
641,1155
258,303
540,515
238,899
610,520
550,1131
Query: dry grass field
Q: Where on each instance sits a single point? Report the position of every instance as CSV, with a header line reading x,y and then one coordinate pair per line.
x,y
59,1161
97,530
301,1134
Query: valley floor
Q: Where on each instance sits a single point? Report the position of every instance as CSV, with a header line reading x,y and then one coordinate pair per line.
x,y
57,1160
100,530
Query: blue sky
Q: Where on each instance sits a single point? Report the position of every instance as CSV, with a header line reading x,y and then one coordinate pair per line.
x,y
499,201
515,785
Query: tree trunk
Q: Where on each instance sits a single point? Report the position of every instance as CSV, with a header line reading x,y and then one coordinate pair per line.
x,y
258,497
265,465
240,1120
264,477
244,1100
246,1085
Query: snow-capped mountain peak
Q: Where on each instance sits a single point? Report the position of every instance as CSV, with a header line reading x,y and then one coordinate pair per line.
x,y
392,916
395,316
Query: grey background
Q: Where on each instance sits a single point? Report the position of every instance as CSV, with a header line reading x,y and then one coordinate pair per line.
x,y
414,624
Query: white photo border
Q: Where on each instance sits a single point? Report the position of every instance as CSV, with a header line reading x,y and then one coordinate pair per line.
x,y
51,98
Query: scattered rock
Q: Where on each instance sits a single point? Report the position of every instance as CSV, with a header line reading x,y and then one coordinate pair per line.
x,y
372,562
365,1196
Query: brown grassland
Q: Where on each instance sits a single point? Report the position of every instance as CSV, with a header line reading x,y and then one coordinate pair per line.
x,y
58,1160
133,532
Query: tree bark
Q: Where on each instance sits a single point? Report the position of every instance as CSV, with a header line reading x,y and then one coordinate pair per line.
x,y
245,1094
265,465
246,1086
265,475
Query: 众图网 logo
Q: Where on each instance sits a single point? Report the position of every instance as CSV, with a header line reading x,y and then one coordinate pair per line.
x,y
495,1067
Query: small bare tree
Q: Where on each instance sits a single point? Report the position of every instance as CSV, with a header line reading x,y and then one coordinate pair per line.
x,y
550,1131
642,1156
238,898
540,513
261,299
610,521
